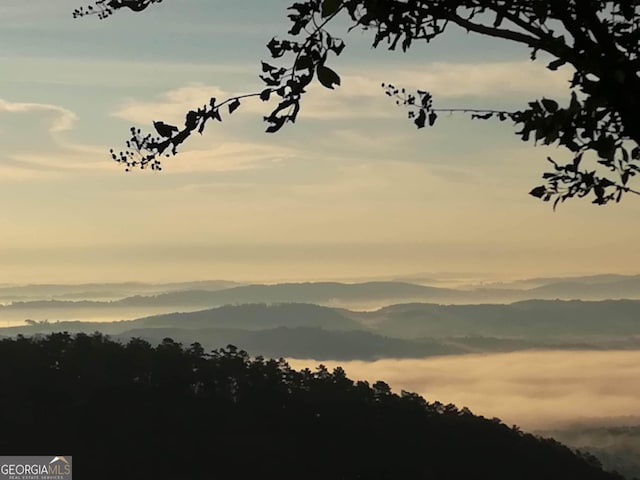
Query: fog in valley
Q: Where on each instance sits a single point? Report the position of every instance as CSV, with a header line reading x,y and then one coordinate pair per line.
x,y
537,390
585,399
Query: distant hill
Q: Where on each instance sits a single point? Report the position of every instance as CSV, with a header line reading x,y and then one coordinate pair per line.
x,y
300,342
257,316
617,447
527,319
403,330
323,293
608,286
247,317
318,292
62,301
527,283
102,291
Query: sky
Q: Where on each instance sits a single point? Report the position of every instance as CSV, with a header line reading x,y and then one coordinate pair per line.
x,y
351,191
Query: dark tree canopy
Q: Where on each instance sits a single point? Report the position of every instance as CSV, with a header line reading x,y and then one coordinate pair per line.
x,y
136,411
598,122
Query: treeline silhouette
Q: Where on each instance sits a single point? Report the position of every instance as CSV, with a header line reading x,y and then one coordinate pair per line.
x,y
172,412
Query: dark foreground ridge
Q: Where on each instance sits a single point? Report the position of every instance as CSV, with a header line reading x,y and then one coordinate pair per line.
x,y
133,411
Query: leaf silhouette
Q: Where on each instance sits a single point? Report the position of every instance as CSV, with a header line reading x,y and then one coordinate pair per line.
x,y
234,105
328,77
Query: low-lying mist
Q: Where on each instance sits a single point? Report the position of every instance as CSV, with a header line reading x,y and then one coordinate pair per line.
x,y
534,389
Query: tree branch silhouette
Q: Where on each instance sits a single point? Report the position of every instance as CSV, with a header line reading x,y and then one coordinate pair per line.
x,y
599,39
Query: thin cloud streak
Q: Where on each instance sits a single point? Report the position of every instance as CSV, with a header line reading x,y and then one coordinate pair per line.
x,y
39,144
230,156
64,120
363,97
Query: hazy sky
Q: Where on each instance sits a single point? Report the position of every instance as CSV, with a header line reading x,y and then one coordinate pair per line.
x,y
352,190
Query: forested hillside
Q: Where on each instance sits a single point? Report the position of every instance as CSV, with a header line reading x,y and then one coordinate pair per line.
x,y
135,411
